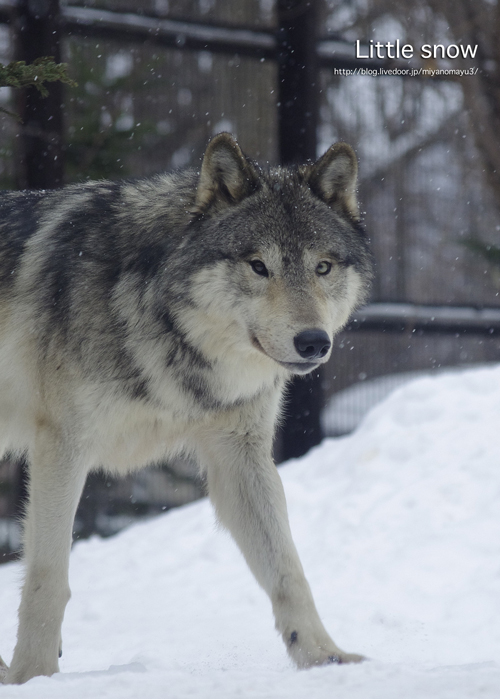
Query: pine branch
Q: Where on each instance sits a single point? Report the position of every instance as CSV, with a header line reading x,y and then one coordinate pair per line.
x,y
43,70
491,253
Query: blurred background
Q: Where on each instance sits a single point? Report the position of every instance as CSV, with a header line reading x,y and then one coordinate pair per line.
x,y
157,78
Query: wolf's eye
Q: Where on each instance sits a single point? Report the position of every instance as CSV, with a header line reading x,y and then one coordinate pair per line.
x,y
259,268
323,267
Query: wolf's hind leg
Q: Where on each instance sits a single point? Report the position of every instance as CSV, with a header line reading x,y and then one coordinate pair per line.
x,y
56,483
247,492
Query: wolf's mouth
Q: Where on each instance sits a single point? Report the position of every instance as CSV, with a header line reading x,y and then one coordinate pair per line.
x,y
295,367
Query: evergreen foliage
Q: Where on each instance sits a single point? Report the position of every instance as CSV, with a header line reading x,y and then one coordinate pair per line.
x,y
102,134
491,253
43,70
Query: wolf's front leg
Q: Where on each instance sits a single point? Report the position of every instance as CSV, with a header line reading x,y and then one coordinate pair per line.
x,y
55,487
244,486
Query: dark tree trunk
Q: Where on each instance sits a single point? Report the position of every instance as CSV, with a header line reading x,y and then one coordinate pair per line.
x,y
40,160
298,98
298,104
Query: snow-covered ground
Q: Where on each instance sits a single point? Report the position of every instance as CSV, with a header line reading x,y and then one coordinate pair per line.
x,y
398,527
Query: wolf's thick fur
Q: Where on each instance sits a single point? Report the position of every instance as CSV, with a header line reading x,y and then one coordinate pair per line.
x,y
142,319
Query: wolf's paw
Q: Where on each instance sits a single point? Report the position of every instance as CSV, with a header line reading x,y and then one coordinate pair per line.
x,y
341,658
314,654
3,672
21,672
323,657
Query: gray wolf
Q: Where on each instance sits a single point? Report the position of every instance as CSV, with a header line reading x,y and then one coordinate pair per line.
x,y
143,319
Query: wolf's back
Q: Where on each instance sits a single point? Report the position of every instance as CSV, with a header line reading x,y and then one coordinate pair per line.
x,y
18,222
84,275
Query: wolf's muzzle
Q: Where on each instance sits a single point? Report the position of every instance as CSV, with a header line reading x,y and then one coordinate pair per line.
x,y
312,344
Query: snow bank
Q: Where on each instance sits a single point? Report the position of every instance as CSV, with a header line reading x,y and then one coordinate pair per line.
x,y
398,527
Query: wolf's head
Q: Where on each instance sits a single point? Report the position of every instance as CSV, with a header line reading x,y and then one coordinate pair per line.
x,y
283,258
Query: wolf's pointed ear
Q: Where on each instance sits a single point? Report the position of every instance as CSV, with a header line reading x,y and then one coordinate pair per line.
x,y
226,175
334,178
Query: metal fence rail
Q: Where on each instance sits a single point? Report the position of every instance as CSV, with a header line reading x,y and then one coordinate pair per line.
x,y
438,319
332,52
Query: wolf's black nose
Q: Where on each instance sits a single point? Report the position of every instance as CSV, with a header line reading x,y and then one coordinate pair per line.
x,y
312,344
